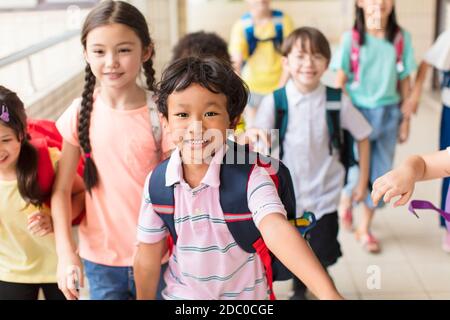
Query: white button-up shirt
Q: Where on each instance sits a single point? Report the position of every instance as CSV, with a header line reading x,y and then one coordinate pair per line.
x,y
318,177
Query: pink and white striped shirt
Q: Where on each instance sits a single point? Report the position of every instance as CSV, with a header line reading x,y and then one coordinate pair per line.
x,y
206,262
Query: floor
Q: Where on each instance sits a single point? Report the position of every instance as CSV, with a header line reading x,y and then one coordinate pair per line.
x,y
411,264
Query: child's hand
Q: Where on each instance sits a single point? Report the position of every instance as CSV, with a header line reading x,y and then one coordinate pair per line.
x,y
40,224
398,182
359,193
409,107
70,274
403,131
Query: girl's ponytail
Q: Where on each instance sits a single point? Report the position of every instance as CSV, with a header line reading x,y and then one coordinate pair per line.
x,y
90,174
149,72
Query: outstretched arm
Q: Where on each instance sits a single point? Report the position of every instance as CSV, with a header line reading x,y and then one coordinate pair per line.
x,y
401,181
287,244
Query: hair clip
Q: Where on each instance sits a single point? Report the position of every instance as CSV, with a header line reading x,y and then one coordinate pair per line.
x,y
4,116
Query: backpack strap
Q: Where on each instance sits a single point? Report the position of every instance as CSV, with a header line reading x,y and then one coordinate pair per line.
x,y
249,31
281,115
399,45
277,18
154,122
333,113
427,205
234,176
162,199
354,56
446,80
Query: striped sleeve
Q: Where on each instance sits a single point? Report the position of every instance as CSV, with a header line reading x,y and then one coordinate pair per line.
x,y
151,228
262,196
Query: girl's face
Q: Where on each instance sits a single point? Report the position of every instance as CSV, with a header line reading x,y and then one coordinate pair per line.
x,y
9,148
197,121
306,68
376,9
115,55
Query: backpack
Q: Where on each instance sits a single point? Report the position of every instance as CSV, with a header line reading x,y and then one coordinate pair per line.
x,y
233,200
249,31
427,205
339,139
399,44
44,134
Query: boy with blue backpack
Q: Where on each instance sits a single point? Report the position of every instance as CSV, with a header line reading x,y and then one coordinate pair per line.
x,y
315,123
255,44
222,206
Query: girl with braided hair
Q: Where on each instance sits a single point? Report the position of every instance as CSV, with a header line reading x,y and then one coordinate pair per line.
x,y
115,126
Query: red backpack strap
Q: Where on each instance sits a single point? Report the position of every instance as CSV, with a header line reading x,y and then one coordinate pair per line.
x,y
399,44
264,254
354,55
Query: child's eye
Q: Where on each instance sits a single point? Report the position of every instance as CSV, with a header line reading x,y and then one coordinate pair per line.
x,y
181,115
211,114
98,52
6,140
124,50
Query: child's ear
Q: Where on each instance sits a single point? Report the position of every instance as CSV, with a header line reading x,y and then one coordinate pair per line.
x,y
165,122
234,122
285,62
147,53
86,56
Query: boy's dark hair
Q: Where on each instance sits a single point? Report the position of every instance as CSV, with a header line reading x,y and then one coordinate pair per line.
x,y
27,163
317,41
201,44
211,73
360,25
105,13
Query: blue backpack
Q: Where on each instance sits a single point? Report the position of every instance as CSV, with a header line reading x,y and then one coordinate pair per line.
x,y
234,173
340,139
249,31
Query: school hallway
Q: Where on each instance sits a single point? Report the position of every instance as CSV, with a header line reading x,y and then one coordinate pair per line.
x,y
412,264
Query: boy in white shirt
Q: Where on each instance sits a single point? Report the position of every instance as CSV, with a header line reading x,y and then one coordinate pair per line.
x,y
307,144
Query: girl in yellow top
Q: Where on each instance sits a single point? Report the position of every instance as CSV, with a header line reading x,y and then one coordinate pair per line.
x,y
27,245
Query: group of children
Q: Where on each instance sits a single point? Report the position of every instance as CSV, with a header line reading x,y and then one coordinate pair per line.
x,y
157,160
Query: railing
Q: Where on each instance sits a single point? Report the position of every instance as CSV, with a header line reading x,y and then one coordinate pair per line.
x,y
31,50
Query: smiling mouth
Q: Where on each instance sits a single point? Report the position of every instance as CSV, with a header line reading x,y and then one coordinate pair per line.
x,y
3,157
196,143
113,75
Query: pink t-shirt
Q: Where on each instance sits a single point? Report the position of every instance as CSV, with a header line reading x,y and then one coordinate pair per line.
x,y
207,263
124,151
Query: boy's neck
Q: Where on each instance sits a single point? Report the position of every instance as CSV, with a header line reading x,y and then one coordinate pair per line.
x,y
303,89
261,16
193,174
127,98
